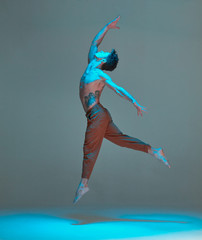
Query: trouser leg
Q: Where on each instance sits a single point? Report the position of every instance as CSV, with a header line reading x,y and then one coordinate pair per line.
x,y
96,127
114,135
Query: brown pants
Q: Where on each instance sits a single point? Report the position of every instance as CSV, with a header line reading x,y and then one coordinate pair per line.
x,y
100,125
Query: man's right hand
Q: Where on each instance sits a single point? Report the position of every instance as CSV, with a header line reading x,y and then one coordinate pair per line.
x,y
113,23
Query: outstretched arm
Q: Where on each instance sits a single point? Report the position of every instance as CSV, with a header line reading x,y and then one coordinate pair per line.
x,y
99,37
124,94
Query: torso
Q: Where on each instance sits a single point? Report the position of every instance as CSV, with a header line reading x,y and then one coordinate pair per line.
x,y
91,85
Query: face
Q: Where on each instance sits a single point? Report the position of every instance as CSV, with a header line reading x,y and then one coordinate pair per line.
x,y
102,54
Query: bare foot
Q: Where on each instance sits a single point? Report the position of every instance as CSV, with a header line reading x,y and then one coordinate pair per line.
x,y
82,189
159,154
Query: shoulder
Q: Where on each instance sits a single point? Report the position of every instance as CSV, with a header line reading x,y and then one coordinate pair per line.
x,y
103,74
92,51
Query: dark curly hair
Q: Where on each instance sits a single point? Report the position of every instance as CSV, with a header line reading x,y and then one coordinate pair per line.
x,y
111,62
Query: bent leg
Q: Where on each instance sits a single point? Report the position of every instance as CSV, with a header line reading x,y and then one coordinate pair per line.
x,y
114,135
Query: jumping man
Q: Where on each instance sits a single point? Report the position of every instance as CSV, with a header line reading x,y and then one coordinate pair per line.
x,y
99,121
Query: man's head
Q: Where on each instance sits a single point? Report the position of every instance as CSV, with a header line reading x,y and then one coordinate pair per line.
x,y
110,60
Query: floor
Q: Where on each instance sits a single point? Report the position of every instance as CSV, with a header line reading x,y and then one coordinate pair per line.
x,y
92,223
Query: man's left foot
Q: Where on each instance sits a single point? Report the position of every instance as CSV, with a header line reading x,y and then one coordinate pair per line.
x,y
159,154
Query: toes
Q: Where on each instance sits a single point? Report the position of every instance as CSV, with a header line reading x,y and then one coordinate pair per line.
x,y
80,193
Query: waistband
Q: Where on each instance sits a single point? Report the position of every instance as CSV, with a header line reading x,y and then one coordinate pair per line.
x,y
95,107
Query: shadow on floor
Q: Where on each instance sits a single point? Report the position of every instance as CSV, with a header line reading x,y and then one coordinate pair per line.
x,y
88,219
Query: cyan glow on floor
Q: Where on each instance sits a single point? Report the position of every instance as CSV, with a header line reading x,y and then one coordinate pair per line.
x,y
97,224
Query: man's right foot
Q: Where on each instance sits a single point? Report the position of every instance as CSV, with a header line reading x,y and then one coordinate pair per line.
x,y
159,154
80,192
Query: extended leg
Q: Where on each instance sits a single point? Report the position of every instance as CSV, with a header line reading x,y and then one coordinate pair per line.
x,y
94,135
93,140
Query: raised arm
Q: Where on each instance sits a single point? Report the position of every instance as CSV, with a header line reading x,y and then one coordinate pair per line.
x,y
123,93
99,37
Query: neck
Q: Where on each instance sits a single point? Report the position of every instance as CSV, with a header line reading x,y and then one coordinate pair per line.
x,y
99,63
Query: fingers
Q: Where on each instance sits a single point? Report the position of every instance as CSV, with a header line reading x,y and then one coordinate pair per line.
x,y
139,112
113,23
140,109
143,109
117,18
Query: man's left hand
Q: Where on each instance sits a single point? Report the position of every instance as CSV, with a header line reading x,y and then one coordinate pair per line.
x,y
139,109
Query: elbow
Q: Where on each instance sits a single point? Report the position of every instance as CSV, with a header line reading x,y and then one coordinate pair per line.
x,y
119,92
94,43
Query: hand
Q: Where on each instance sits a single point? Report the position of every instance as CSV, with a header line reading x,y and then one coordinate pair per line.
x,y
113,23
139,108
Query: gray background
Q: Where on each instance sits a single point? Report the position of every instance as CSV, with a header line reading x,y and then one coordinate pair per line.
x,y
43,53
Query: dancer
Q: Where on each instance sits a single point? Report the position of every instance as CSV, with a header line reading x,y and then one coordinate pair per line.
x,y
99,121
